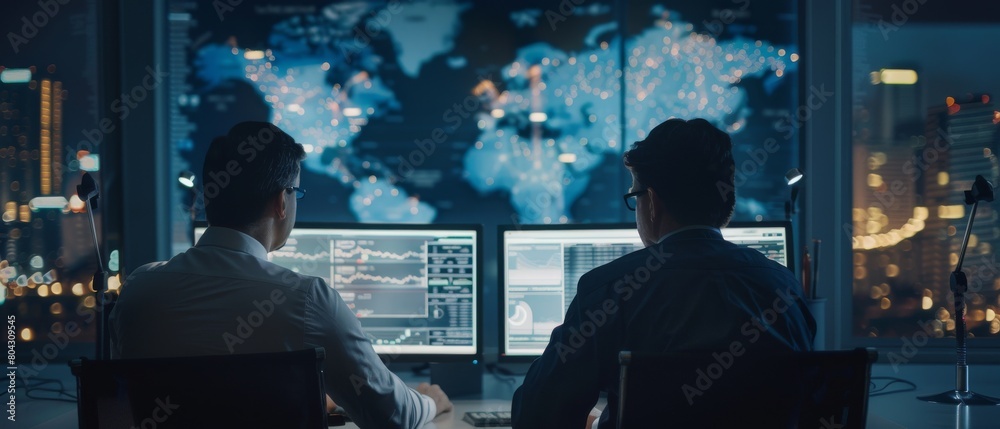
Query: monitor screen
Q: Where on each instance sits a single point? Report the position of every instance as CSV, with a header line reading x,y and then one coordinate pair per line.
x,y
540,267
773,239
415,288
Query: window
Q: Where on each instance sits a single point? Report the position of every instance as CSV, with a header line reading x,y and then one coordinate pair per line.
x,y
49,116
924,125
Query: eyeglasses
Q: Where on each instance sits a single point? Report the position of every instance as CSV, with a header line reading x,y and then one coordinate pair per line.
x,y
299,192
631,197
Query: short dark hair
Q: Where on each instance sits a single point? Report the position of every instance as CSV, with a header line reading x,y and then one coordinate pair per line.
x,y
690,166
244,169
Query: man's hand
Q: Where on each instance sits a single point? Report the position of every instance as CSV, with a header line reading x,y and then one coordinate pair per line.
x,y
440,399
593,417
330,405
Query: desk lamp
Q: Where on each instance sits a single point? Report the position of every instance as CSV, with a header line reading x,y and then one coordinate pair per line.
x,y
793,176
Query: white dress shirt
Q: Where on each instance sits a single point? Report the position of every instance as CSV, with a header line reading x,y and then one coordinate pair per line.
x,y
223,296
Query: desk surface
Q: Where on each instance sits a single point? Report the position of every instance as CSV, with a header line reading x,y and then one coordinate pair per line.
x,y
904,410
453,419
885,411
892,411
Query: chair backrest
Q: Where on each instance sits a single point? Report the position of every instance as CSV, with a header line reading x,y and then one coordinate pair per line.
x,y
250,390
717,389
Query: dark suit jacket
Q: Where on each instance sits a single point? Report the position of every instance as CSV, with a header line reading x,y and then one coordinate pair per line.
x,y
691,291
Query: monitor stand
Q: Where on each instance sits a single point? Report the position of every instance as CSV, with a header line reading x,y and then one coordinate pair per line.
x,y
458,378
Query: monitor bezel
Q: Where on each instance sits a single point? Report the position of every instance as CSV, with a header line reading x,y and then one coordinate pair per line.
x,y
502,355
477,355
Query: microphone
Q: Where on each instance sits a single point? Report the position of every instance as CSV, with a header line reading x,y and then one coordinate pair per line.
x,y
87,189
982,190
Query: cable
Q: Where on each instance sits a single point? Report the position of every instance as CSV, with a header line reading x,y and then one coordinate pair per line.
x,y
501,373
502,370
61,393
875,391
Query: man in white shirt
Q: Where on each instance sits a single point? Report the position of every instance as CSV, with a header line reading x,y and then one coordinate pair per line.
x,y
223,296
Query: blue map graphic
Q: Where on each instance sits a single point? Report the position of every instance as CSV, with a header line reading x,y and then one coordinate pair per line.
x,y
547,119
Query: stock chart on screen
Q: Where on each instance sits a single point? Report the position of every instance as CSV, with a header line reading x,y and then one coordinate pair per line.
x,y
541,267
415,290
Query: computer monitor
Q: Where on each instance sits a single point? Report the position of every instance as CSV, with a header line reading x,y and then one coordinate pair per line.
x,y
773,239
540,266
417,289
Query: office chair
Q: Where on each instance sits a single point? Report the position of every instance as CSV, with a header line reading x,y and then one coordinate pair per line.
x,y
806,390
232,391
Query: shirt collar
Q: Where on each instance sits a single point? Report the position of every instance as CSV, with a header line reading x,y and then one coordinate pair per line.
x,y
233,240
688,228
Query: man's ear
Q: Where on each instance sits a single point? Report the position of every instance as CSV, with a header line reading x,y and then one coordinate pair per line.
x,y
656,209
279,206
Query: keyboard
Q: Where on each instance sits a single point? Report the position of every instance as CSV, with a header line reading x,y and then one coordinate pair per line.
x,y
488,419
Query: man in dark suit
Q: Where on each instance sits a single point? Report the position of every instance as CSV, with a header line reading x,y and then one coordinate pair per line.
x,y
689,289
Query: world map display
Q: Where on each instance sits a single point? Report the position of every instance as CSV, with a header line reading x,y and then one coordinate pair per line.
x,y
474,111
